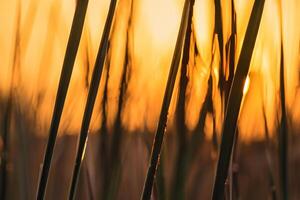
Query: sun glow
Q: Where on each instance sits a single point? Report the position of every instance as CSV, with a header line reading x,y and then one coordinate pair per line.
x,y
246,85
152,39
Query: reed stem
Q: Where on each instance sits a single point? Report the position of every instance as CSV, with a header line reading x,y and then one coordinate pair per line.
x,y
181,160
235,98
70,55
158,140
283,137
93,90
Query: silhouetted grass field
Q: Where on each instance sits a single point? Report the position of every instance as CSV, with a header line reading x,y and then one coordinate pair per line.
x,y
149,99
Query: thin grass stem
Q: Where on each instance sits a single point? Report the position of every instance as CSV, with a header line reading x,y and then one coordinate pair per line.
x,y
93,90
283,137
181,161
235,98
70,55
283,132
158,140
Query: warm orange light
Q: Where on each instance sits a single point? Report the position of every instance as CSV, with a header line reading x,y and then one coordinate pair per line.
x,y
246,85
153,35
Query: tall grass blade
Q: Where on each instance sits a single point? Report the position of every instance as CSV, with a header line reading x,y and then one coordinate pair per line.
x,y
181,161
233,183
283,137
96,76
235,98
160,192
219,32
158,140
70,55
231,53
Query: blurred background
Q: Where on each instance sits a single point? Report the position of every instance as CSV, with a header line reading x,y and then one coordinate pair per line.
x,y
33,39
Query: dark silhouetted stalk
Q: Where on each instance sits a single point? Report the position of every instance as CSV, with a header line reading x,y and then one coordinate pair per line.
x,y
235,98
283,137
210,109
70,55
86,58
219,32
181,161
231,54
158,140
233,185
9,107
96,76
160,192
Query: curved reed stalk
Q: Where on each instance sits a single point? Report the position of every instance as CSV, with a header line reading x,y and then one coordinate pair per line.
x,y
98,68
70,55
158,140
235,98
